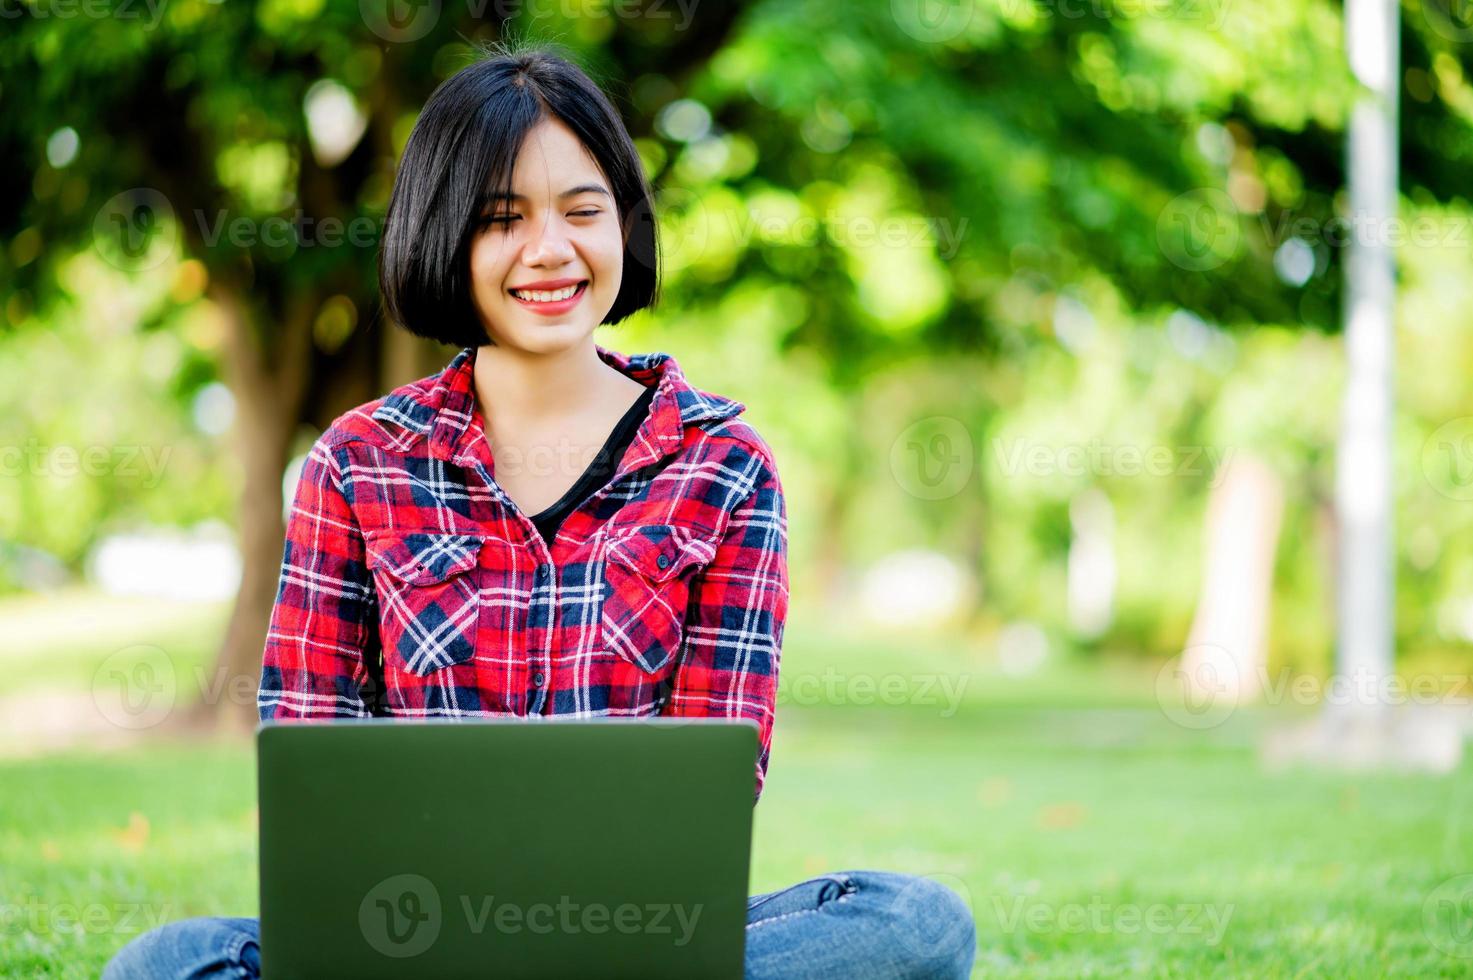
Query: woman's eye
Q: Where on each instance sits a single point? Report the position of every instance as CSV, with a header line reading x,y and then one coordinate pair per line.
x,y
506,219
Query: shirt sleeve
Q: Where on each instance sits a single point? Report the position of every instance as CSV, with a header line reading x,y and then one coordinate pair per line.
x,y
734,622
323,632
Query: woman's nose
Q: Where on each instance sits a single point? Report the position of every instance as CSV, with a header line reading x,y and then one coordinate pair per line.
x,y
549,245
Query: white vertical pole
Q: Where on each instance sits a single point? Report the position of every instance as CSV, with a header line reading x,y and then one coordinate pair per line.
x,y
1363,479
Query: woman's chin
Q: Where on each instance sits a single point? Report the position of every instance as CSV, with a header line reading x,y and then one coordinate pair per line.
x,y
546,338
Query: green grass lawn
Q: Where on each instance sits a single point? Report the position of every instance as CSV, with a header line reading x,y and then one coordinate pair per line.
x,y
1090,835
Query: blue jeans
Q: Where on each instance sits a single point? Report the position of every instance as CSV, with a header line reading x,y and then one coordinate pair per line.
x,y
853,925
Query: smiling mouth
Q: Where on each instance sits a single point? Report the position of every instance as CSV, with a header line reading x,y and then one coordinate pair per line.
x,y
545,296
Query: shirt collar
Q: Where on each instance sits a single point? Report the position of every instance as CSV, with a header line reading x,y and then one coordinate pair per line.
x,y
443,408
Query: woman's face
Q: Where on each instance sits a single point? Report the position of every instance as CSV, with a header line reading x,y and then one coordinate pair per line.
x,y
529,252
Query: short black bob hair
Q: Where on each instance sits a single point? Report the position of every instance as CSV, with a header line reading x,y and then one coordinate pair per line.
x,y
462,152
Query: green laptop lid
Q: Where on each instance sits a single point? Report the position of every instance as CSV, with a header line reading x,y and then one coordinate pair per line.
x,y
505,848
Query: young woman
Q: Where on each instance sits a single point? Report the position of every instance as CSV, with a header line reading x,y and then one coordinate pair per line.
x,y
546,526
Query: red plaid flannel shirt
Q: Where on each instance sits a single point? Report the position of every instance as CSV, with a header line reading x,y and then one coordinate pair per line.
x,y
411,585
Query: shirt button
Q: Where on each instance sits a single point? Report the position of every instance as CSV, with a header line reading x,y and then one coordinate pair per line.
x,y
663,561
538,679
542,571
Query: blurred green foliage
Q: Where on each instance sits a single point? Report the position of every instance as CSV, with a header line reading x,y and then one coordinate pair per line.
x,y
1045,223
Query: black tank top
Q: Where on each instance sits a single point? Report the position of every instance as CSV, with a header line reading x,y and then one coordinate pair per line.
x,y
599,471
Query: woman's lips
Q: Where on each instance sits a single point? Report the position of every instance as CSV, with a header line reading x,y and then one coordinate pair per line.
x,y
554,308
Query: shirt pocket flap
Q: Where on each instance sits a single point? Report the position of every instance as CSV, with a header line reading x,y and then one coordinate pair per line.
x,y
423,559
659,552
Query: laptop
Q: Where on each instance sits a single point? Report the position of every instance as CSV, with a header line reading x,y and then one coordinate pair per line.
x,y
507,848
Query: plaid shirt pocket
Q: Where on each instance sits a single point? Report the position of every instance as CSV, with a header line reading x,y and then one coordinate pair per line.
x,y
428,600
647,576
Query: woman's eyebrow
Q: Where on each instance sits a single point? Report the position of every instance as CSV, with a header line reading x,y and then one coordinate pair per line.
x,y
570,192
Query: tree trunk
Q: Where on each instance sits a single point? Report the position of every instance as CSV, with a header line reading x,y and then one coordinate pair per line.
x,y
1226,658
270,389
402,357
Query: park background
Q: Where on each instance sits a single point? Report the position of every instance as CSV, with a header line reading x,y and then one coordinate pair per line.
x,y
1039,303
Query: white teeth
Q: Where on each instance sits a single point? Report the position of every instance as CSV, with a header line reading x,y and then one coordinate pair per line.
x,y
537,296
